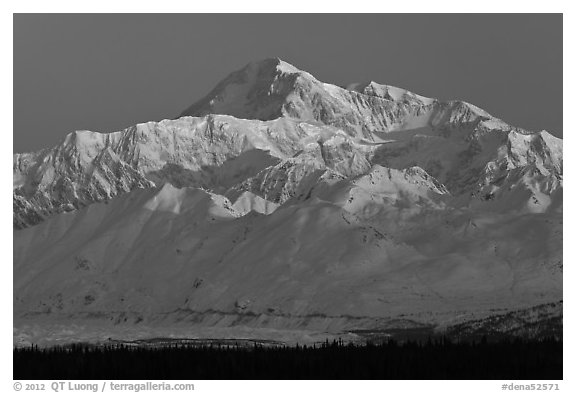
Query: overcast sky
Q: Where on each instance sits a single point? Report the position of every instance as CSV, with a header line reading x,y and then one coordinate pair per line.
x,y
107,72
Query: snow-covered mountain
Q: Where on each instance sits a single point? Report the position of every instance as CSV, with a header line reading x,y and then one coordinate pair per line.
x,y
281,202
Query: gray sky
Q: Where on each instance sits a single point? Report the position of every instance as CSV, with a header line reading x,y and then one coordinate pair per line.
x,y
106,72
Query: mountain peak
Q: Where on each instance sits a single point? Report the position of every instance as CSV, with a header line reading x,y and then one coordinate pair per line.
x,y
425,205
272,88
273,64
257,91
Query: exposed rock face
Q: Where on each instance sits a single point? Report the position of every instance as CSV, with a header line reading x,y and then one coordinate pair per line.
x,y
283,199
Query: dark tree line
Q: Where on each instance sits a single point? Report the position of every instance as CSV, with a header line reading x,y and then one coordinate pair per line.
x,y
438,359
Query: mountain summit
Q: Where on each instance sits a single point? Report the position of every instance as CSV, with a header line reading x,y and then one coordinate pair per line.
x,y
257,91
280,203
272,88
